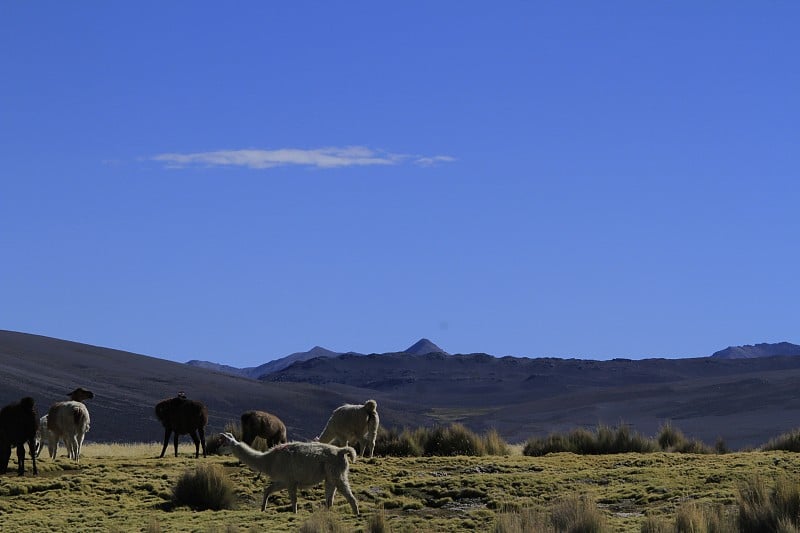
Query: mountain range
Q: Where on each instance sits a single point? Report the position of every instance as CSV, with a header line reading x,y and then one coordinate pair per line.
x,y
745,400
421,347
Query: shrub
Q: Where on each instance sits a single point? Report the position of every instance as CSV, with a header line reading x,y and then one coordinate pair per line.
x,y
454,439
494,444
524,520
721,447
322,521
577,514
605,440
656,525
376,523
205,487
693,446
233,427
669,437
397,443
789,442
762,509
695,518
622,440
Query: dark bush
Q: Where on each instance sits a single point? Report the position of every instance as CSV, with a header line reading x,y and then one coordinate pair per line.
x,y
454,439
789,442
396,443
604,440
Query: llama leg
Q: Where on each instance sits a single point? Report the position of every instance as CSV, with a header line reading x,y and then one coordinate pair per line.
x,y
5,456
202,433
344,488
175,442
167,433
73,446
293,496
68,445
330,492
80,444
21,460
370,444
272,487
34,453
52,445
196,441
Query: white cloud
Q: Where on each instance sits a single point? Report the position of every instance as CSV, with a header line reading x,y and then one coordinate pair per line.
x,y
435,160
331,157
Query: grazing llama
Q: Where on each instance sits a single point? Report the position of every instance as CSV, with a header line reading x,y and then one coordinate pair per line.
x,y
298,465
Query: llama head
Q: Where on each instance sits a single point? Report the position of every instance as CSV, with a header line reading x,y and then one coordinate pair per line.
x,y
227,442
80,394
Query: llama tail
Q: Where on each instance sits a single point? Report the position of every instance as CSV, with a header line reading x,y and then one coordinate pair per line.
x,y
371,407
348,451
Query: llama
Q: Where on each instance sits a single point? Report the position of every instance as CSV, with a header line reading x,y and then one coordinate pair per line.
x,y
298,465
183,416
18,423
68,421
264,425
80,394
353,424
42,435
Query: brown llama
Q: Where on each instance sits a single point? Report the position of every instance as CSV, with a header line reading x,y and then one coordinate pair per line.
x,y
264,425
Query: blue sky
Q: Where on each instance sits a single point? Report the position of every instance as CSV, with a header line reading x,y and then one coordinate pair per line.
x,y
239,182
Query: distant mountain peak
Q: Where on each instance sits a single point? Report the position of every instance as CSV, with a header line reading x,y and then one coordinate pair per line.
x,y
423,347
764,349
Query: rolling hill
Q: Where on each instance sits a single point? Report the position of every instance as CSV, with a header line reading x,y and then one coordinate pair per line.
x,y
745,401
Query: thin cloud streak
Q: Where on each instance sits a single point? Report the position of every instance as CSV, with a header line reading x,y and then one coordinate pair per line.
x,y
331,157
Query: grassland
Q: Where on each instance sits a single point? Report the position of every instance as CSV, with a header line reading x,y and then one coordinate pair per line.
x,y
127,488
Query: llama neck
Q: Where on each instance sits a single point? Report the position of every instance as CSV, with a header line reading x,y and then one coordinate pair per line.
x,y
256,460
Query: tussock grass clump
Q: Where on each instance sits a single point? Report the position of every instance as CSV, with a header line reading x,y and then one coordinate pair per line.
x,y
525,520
396,443
323,521
443,441
789,442
762,508
494,444
669,437
579,514
604,440
672,439
575,513
204,488
376,523
695,518
454,439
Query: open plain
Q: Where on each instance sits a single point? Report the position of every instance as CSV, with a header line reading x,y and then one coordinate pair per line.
x,y
120,487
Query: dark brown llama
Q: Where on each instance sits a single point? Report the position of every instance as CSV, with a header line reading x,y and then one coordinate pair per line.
x,y
182,416
18,425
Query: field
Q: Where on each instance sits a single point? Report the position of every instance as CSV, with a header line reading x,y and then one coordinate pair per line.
x,y
127,488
